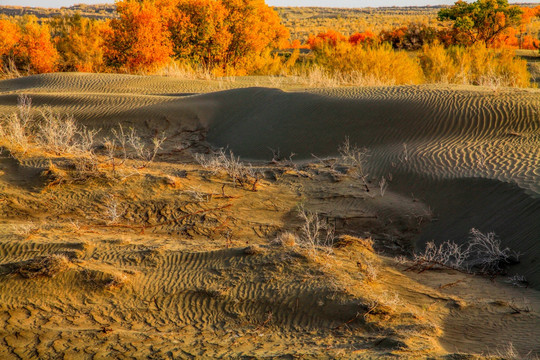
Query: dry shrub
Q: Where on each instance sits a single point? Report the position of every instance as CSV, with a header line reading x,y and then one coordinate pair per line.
x,y
15,129
316,234
355,158
49,266
482,254
474,65
61,134
25,230
242,174
487,253
375,65
286,239
51,132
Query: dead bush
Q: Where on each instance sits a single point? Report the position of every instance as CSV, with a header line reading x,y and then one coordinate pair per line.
x,y
355,157
482,254
240,173
316,234
51,132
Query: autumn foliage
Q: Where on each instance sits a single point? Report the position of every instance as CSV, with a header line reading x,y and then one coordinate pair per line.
x,y
244,37
474,65
227,36
137,40
79,42
9,36
28,45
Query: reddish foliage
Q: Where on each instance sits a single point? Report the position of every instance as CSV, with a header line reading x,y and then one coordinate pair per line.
x,y
363,38
330,37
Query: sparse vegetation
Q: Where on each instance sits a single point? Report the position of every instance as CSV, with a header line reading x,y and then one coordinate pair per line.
x,y
355,157
316,234
481,254
176,38
51,132
129,243
243,175
517,281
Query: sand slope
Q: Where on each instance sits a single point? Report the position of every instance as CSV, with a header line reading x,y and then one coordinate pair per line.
x,y
421,135
455,158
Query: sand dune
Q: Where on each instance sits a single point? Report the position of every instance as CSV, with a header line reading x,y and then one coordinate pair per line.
x,y
421,134
461,156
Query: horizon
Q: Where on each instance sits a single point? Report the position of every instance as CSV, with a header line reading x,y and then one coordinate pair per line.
x,y
280,3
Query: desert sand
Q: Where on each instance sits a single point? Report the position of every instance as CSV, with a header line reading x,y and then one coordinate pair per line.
x,y
189,266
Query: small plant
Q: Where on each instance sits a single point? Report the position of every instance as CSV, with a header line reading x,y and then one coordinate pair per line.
x,y
286,239
131,146
316,233
113,212
356,158
369,270
278,159
141,150
198,195
384,304
25,230
240,173
16,128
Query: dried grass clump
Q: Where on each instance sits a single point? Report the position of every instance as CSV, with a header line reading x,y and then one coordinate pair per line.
x,y
385,303
48,266
368,269
286,239
25,230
